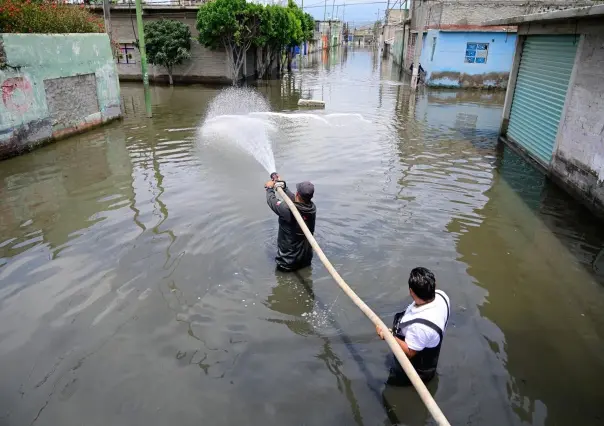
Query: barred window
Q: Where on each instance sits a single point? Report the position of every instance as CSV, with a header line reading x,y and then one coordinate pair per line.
x,y
476,53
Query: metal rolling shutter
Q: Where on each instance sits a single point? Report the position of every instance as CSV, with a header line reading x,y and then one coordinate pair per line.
x,y
543,76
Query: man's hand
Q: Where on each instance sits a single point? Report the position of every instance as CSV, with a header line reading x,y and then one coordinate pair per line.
x,y
380,332
269,184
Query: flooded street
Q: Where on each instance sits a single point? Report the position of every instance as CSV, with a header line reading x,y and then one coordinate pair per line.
x,y
138,285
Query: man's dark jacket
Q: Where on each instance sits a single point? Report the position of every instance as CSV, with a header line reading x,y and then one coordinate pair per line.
x,y
294,251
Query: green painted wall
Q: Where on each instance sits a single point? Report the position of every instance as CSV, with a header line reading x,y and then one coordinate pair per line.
x,y
27,61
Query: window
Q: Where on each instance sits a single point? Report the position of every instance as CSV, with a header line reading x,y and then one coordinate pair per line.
x,y
433,48
125,55
476,53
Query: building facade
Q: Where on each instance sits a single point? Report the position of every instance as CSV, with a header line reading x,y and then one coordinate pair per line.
x,y
204,66
472,58
328,34
554,106
457,50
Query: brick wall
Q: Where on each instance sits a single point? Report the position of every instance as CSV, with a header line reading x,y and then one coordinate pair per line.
x,y
579,160
205,65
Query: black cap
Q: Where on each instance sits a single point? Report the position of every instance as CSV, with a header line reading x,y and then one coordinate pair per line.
x,y
306,190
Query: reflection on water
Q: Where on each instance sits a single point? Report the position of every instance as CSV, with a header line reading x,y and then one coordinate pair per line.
x,y
137,281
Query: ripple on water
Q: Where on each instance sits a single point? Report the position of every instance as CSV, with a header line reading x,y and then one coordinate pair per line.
x,y
138,257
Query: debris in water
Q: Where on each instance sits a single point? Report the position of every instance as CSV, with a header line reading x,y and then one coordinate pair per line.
x,y
311,103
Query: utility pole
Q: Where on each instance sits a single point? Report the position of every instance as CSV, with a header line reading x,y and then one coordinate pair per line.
x,y
143,52
386,14
107,17
332,5
325,11
418,45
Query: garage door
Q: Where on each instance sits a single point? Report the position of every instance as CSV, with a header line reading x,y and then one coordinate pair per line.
x,y
543,77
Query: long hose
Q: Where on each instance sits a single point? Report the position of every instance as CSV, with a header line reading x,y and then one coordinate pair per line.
x,y
420,387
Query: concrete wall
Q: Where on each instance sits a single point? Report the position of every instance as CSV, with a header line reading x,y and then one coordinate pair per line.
x,y
205,65
397,47
443,59
475,12
579,159
53,86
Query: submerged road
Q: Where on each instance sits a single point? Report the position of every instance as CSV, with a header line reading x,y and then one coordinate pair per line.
x,y
137,281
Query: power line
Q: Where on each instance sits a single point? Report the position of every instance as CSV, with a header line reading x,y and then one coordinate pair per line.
x,y
349,4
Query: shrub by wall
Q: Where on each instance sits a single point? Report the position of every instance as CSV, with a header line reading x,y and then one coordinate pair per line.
x,y
26,16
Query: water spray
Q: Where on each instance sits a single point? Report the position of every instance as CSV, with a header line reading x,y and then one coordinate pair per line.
x,y
251,135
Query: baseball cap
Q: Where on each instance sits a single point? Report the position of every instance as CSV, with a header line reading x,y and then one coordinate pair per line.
x,y
306,190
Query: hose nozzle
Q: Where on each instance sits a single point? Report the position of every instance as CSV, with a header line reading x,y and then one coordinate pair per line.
x,y
274,176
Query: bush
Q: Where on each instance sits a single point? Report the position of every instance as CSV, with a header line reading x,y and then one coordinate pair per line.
x,y
25,16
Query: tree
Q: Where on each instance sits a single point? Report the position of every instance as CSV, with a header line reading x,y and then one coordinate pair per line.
x,y
233,25
168,43
275,35
308,26
297,22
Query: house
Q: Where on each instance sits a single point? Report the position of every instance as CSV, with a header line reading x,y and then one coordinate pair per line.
x,y
395,21
457,50
554,105
330,33
363,35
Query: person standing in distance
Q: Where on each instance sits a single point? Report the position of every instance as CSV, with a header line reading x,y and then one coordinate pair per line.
x,y
419,330
293,249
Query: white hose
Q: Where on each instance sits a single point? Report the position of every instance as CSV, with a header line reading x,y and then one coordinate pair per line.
x,y
419,385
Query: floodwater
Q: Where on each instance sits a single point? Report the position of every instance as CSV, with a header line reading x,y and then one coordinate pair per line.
x,y
137,282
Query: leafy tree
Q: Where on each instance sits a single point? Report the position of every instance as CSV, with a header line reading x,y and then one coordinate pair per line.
x,y
233,25
308,26
168,43
275,35
297,24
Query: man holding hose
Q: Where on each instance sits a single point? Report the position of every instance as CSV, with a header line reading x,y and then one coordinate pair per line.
x,y
293,249
419,330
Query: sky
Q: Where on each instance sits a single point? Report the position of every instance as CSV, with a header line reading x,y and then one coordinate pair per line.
x,y
359,12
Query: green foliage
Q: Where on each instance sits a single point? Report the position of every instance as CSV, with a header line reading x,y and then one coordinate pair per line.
x,y
167,42
275,28
25,16
236,25
303,24
295,28
308,27
223,22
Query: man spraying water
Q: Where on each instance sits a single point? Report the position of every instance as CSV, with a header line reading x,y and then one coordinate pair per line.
x,y
293,249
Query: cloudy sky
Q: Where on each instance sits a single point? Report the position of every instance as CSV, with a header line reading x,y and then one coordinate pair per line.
x,y
361,12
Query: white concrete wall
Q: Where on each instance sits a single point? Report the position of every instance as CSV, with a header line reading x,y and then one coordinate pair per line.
x,y
579,159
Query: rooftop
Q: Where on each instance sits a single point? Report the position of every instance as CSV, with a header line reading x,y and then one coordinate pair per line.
x,y
558,15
